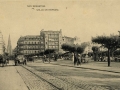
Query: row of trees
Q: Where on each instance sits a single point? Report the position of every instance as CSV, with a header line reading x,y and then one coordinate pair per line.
x,y
73,48
112,43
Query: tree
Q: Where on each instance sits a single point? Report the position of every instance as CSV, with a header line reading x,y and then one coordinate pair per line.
x,y
110,42
85,44
73,48
48,51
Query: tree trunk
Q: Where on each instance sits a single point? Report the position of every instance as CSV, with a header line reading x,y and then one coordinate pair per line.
x,y
94,56
108,57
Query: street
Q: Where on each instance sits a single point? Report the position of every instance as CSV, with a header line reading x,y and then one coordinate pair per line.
x,y
59,75
94,79
10,79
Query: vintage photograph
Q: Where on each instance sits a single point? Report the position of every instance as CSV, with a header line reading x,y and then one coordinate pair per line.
x,y
59,44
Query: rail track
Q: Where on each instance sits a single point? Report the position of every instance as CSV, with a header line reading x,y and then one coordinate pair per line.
x,y
59,83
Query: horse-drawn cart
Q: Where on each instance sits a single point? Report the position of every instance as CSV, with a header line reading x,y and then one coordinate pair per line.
x,y
4,60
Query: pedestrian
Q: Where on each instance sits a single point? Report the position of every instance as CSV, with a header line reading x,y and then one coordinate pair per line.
x,y
75,59
24,61
79,59
44,58
55,56
86,58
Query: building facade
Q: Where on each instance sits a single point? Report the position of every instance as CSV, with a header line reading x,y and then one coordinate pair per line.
x,y
30,44
48,39
2,44
68,40
52,39
88,49
77,40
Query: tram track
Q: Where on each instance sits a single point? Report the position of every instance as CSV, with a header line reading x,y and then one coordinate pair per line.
x,y
68,84
33,81
52,80
42,78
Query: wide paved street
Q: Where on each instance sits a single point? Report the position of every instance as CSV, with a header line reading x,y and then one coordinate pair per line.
x,y
60,75
84,77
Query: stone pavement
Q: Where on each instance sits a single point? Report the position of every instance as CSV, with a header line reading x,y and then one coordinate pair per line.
x,y
97,66
33,81
62,83
101,66
10,79
17,78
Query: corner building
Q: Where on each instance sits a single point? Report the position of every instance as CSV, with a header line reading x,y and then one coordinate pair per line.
x,y
30,44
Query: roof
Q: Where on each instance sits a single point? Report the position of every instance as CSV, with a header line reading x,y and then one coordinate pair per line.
x,y
50,31
68,37
28,37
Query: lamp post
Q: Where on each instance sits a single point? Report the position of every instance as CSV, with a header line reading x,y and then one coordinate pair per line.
x,y
75,52
48,46
119,40
119,33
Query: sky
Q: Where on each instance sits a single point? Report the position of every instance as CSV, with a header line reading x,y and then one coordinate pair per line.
x,y
81,18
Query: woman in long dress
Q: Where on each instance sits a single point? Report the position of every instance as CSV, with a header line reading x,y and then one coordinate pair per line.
x,y
73,57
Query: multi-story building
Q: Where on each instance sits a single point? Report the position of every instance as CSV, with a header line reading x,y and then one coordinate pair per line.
x,y
2,44
77,40
30,44
68,40
52,39
88,49
48,39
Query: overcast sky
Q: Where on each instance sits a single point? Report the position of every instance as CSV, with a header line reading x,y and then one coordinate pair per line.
x,y
82,18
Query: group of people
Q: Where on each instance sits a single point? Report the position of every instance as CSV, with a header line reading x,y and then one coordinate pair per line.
x,y
78,59
48,58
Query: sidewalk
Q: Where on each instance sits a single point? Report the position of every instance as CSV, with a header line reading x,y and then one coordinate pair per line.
x,y
10,79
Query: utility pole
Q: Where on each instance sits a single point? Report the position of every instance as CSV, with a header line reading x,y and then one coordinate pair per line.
x,y
48,47
119,41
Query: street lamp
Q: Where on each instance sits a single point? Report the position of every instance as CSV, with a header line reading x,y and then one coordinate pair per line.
x,y
119,33
48,46
119,40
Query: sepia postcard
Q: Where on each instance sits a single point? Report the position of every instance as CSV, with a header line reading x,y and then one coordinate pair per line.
x,y
59,45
